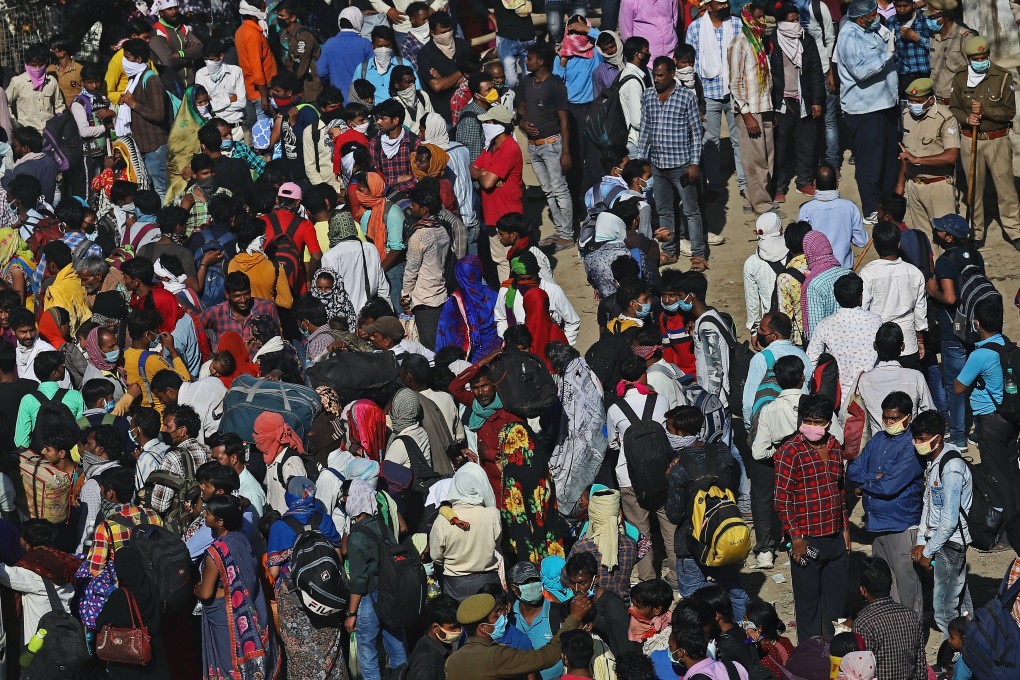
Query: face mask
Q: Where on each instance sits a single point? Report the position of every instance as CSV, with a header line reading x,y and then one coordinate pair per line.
x,y
686,76
673,307
499,628
492,96
531,592
925,448
933,24
649,183
685,305
363,129
226,145
874,25
974,327
409,98
645,310
896,428
166,438
208,186
204,111
133,437
491,131
443,39
980,66
108,407
383,55
283,102
446,637
916,109
813,433
763,339
421,33
711,649
674,659
304,333
112,356
214,68
591,588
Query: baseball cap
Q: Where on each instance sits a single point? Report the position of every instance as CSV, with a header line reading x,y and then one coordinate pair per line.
x,y
954,225
289,190
522,572
389,326
497,114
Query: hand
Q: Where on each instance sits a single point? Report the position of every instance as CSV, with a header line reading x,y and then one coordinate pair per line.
x,y
351,622
830,81
434,74
128,99
186,173
920,345
693,173
188,202
974,120
167,341
663,235
563,62
846,539
751,123
135,390
461,524
899,188
395,16
472,456
293,114
529,129
754,341
580,605
108,163
909,34
266,109
274,376
578,27
405,303
907,156
233,98
565,162
212,257
917,554
976,106
338,346
106,114
798,549
880,475
859,492
816,110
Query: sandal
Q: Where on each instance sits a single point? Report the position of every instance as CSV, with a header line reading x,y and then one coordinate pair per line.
x,y
698,264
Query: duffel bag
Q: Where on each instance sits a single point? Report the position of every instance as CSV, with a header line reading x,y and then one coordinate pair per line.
x,y
249,397
358,375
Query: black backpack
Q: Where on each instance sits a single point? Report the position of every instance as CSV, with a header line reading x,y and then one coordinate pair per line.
x,y
402,582
986,518
972,288
316,573
992,639
604,123
53,412
523,383
423,474
600,204
312,468
647,449
63,651
1009,361
168,563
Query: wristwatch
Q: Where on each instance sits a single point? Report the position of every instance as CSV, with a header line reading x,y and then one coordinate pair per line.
x,y
348,615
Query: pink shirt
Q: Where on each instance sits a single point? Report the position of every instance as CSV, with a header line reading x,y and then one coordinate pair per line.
x,y
654,20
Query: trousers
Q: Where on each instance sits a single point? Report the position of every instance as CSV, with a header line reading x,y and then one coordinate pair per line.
x,y
757,156
995,158
896,549
819,587
874,138
639,515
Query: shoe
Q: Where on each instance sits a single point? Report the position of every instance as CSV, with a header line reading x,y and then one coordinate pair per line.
x,y
780,197
807,190
872,218
745,205
1015,243
683,248
666,259
715,239
764,560
962,445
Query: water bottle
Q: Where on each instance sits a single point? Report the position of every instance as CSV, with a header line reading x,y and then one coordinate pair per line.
x,y
1009,385
32,648
1010,400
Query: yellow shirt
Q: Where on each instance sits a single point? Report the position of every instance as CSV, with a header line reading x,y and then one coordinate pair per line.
x,y
268,281
153,365
67,292
116,79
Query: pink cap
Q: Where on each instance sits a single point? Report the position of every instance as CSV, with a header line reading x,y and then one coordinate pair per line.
x,y
289,190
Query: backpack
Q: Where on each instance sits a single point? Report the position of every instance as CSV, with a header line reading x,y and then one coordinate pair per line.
x,y
176,519
647,449
63,651
402,581
768,389
991,647
973,287
825,379
523,383
706,402
719,535
423,474
138,231
283,249
61,140
312,469
586,237
741,355
357,375
316,573
986,517
167,561
171,102
45,230
80,251
604,124
215,290
52,412
1009,362
48,491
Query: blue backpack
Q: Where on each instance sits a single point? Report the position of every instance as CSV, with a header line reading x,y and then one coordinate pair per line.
x,y
215,281
992,638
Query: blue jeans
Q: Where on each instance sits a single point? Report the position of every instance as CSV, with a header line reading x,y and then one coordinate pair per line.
x,y
666,180
512,54
715,109
155,165
367,634
951,596
610,15
395,276
833,153
691,576
545,161
954,356
744,490
930,368
554,14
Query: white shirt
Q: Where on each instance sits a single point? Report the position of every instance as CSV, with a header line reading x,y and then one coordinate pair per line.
x,y
327,491
824,34
560,309
253,491
849,336
894,289
406,346
230,83
348,263
759,283
663,380
778,420
34,601
26,359
617,424
397,451
274,490
630,100
206,397
448,407
875,385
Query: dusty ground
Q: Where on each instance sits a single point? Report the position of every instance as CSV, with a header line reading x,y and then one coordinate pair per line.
x,y
726,292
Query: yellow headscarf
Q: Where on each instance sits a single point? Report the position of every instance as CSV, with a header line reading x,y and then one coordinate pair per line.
x,y
604,525
12,246
437,166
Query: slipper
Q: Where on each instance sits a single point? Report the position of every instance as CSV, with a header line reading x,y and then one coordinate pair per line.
x,y
698,264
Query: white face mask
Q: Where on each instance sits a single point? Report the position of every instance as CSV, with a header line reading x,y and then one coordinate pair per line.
x,y
383,55
363,129
409,98
204,111
215,68
421,33
686,76
491,131
347,166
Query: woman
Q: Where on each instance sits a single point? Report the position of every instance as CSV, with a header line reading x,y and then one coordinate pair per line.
x,y
430,160
328,287
275,439
466,320
858,666
773,647
468,558
540,324
605,538
327,433
238,640
433,131
313,648
761,266
366,429
533,524
816,298
183,141
275,357
383,223
17,264
136,593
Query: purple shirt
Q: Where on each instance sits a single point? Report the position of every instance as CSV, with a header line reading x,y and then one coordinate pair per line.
x,y
652,19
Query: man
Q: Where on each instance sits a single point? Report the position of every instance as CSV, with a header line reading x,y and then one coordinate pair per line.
x,y
149,449
633,81
712,336
286,219
848,335
230,451
811,507
232,174
689,645
429,657
72,219
357,262
411,28
29,344
482,659
234,313
533,611
868,95
653,19
387,334
143,114
439,62
110,536
750,83
838,218
66,70
774,338
481,96
225,84
528,275
141,364
300,49
344,52
498,171
204,396
313,324
670,138
892,632
49,366
424,287
32,105
29,159
711,36
544,118
255,57
928,155
889,375
393,160
66,290
182,426
174,47
890,481
317,143
440,416
979,107
97,276
947,56
943,532
913,38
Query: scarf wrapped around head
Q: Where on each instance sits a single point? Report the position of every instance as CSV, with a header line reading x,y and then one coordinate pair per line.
x,y
788,35
615,60
12,247
374,201
577,45
172,284
771,244
435,130
467,321
169,309
754,32
541,325
818,253
604,525
437,163
552,579
470,486
366,426
272,434
354,98
361,499
341,226
405,410
857,666
337,302
360,468
624,385
95,355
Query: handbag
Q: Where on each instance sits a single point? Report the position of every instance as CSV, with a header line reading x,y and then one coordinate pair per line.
x,y
126,645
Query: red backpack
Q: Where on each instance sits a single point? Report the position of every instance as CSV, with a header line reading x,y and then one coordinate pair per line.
x,y
45,230
283,249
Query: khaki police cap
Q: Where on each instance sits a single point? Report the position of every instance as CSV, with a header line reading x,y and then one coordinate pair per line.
x,y
922,87
975,45
940,6
475,608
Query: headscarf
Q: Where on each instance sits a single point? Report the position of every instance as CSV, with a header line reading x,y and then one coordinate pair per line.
x,y
353,15
771,244
857,666
362,469
467,321
169,309
12,246
375,201
95,355
300,497
338,304
405,410
366,426
754,32
353,98
615,60
541,325
272,434
609,227
361,499
435,130
470,486
604,525
577,45
581,441
172,284
133,577
330,400
49,326
341,226
479,414
232,343
437,164
552,579
818,253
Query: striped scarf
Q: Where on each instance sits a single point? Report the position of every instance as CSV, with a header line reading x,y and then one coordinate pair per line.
x,y
754,31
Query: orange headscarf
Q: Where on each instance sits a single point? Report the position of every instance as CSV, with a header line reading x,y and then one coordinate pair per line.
x,y
437,165
272,433
375,201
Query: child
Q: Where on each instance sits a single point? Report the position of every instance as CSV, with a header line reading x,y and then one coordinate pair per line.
x,y
959,669
766,628
223,365
684,57
650,616
577,649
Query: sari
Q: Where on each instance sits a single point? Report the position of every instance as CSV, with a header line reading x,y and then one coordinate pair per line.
x,y
182,144
540,324
581,443
16,255
238,641
532,525
467,320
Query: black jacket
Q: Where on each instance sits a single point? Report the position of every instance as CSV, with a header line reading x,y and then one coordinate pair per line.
x,y
812,81
678,501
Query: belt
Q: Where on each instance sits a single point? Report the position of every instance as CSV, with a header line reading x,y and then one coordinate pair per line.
x,y
942,100
544,140
986,135
928,180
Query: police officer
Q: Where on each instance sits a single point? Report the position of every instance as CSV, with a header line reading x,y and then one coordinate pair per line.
x,y
982,96
946,46
928,155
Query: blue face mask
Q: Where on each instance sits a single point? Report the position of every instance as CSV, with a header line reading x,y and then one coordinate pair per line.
x,y
874,25
226,145
112,356
980,66
645,310
499,628
685,305
673,307
108,408
132,437
916,110
304,333
933,24
531,593
649,183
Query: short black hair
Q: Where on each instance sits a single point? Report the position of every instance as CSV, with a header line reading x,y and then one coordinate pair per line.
x,y
95,389
46,363
8,357
21,318
652,593
889,341
781,324
390,108
765,618
635,168
221,477
695,283
514,223
629,292
789,371
59,437
142,321
139,267
875,576
886,237
581,563
72,215
988,313
685,52
58,253
578,648
816,407
927,424
40,533
627,209
895,206
426,194
958,625
718,598
312,310
137,47
417,366
111,440
441,609
844,643
173,216
688,629
213,48
235,282
793,237
26,189
849,290
672,281
29,137
612,156
687,419
147,420
626,270
209,135
517,336
900,401
664,61
544,52
632,368
185,417
146,200
319,197
232,444
440,19
166,379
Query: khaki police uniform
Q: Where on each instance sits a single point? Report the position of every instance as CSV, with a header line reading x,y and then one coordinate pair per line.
x,y
301,51
929,190
947,57
994,153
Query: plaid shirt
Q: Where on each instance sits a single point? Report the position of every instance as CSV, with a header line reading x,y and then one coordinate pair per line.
x,y
72,239
256,162
896,636
409,53
399,165
911,57
198,216
809,493
749,96
821,302
470,132
110,537
671,131
714,88
173,462
461,97
219,318
627,555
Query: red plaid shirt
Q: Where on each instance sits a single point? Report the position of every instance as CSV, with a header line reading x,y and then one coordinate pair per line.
x,y
219,318
809,492
461,98
399,165
110,536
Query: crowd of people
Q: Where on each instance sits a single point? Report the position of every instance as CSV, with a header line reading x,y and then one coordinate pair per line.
x,y
293,392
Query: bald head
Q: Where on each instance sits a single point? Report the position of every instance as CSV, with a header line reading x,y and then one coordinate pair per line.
x,y
825,178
